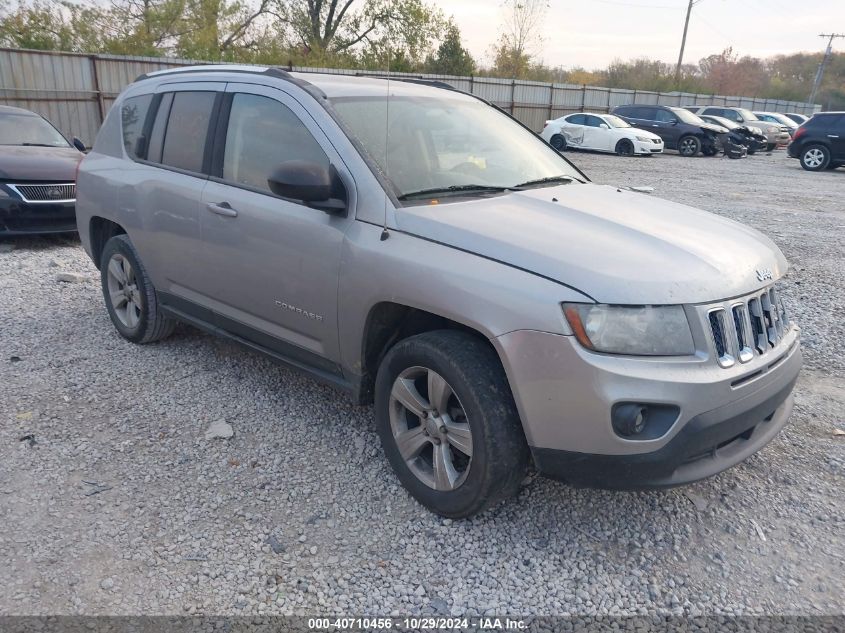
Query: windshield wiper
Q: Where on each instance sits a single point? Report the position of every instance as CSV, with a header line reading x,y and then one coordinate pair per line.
x,y
545,181
455,189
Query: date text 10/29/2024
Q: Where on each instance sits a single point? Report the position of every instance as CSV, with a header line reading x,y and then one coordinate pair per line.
x,y
417,623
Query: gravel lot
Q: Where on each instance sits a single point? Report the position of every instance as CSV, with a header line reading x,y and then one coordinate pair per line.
x,y
122,506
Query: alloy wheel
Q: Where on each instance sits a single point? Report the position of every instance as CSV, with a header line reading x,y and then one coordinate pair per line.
x,y
814,158
689,146
123,291
430,428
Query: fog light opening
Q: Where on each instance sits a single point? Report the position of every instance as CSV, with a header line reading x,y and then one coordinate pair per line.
x,y
630,419
640,421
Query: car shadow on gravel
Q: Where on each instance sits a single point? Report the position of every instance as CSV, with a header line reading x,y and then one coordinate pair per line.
x,y
36,243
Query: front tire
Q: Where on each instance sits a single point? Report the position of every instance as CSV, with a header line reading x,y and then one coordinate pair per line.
x,y
129,294
689,146
448,423
625,147
815,157
558,141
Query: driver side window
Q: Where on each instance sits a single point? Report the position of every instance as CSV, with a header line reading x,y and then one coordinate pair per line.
x,y
262,133
665,116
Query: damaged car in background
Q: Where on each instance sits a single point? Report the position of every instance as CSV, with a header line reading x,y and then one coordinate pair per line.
x,y
601,133
749,136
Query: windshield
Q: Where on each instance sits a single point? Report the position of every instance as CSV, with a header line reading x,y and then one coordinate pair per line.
x,y
614,121
726,123
27,129
687,117
449,144
747,115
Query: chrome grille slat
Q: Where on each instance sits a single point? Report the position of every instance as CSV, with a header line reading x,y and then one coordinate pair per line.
x,y
747,328
58,192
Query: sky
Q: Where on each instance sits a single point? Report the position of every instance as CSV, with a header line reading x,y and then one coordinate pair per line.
x,y
591,33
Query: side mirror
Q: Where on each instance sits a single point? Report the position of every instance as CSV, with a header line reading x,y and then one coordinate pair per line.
x,y
311,183
78,144
604,126
673,122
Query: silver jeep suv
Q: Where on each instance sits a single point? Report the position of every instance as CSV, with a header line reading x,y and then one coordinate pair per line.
x,y
420,249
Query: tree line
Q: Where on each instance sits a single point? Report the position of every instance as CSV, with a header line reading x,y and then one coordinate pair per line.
x,y
402,35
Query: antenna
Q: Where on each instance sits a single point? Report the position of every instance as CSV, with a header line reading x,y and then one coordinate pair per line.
x,y
384,232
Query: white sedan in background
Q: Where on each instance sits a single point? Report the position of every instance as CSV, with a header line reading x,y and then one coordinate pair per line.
x,y
602,133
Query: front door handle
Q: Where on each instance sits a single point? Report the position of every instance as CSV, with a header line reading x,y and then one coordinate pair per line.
x,y
832,136
222,208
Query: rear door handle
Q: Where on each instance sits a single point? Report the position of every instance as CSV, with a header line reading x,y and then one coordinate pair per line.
x,y
832,136
222,208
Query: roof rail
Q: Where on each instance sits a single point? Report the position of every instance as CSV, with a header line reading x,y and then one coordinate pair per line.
x,y
272,71
434,83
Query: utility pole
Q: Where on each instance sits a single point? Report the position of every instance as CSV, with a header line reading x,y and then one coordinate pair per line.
x,y
820,73
692,3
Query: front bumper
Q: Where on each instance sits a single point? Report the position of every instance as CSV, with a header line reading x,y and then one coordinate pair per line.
x,y
565,396
648,147
26,218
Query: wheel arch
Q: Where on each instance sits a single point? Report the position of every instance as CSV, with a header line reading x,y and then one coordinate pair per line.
x,y
100,231
388,323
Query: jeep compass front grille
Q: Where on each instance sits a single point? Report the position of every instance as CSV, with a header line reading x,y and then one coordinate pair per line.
x,y
747,327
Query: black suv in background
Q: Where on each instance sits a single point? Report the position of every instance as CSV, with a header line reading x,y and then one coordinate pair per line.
x,y
820,142
680,129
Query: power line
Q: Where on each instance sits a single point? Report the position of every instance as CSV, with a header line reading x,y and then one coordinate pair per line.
x,y
820,73
692,3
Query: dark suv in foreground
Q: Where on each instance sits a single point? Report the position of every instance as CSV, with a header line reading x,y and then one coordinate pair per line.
x,y
820,142
37,174
680,129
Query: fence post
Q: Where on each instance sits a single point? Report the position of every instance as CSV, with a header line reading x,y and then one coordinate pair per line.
x,y
551,100
513,95
583,96
609,91
101,106
472,84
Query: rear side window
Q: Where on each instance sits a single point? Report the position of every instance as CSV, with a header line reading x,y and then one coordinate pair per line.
x,y
187,129
576,119
715,112
826,121
262,133
646,114
133,114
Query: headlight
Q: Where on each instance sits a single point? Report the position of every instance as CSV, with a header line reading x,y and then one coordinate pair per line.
x,y
634,330
643,139
756,130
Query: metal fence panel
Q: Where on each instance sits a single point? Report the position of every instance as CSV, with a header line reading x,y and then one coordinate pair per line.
x,y
75,91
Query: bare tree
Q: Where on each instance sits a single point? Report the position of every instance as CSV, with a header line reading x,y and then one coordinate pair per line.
x,y
522,30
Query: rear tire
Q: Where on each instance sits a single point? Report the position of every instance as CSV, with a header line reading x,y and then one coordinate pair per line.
x,y
815,158
625,147
689,146
129,294
558,141
462,444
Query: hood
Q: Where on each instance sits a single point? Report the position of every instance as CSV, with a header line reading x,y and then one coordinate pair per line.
x,y
613,245
712,127
38,163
